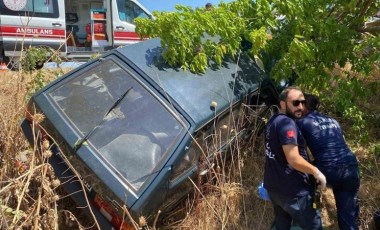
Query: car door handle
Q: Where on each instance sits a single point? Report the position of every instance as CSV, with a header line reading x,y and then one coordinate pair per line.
x,y
120,27
56,24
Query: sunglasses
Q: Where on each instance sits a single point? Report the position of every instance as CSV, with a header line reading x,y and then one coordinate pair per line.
x,y
298,102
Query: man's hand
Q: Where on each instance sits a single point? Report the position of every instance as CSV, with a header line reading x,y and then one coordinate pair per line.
x,y
320,178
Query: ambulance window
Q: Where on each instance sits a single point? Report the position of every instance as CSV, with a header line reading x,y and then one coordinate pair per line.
x,y
129,10
40,6
33,8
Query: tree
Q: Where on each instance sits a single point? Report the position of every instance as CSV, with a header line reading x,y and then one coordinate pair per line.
x,y
322,45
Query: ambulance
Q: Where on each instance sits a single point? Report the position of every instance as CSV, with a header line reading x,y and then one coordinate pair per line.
x,y
77,29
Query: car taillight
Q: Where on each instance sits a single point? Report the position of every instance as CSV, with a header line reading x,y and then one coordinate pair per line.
x,y
110,213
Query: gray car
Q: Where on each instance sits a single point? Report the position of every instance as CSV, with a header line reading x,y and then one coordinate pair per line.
x,y
130,126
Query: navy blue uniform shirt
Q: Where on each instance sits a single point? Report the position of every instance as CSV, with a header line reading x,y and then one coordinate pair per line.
x,y
325,140
279,176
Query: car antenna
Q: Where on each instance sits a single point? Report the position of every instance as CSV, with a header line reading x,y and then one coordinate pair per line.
x,y
80,142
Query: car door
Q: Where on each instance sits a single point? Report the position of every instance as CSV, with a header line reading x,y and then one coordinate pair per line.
x,y
26,23
210,142
124,13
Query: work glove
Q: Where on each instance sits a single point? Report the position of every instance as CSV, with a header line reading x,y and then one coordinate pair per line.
x,y
320,178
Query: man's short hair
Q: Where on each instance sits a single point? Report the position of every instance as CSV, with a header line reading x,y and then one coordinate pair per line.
x,y
312,102
284,94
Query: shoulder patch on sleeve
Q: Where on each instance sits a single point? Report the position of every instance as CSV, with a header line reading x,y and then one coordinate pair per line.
x,y
290,133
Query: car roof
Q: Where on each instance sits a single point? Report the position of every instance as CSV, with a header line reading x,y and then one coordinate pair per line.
x,y
193,92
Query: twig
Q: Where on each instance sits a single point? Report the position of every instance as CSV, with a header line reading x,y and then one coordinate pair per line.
x,y
56,215
262,216
27,181
155,219
30,171
212,208
125,210
36,218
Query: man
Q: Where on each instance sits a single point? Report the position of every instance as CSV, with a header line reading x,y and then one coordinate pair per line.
x,y
208,6
286,167
333,157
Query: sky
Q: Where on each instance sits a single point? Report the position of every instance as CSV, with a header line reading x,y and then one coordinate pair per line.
x,y
168,5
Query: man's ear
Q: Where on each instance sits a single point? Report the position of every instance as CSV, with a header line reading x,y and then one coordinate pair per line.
x,y
282,105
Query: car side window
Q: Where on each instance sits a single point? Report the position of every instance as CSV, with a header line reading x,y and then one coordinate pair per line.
x,y
212,138
223,130
189,159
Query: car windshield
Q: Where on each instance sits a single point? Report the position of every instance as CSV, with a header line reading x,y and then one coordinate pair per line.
x,y
113,112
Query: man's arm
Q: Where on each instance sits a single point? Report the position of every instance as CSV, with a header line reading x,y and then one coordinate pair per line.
x,y
299,163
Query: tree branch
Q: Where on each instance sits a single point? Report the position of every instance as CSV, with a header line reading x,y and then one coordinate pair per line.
x,y
371,29
366,6
374,23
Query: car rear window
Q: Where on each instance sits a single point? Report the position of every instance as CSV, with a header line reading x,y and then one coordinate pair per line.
x,y
129,127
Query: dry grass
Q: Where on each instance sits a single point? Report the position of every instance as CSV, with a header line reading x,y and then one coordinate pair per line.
x,y
231,201
28,191
30,196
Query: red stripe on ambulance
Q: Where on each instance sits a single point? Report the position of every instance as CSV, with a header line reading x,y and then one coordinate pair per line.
x,y
31,32
126,36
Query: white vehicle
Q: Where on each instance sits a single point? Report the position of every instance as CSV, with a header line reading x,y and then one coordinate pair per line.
x,y
78,28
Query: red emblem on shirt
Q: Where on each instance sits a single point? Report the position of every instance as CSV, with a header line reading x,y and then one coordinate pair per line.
x,y
290,133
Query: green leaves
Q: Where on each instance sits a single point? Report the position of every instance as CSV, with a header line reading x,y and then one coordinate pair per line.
x,y
301,51
192,37
258,38
35,57
8,211
300,41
